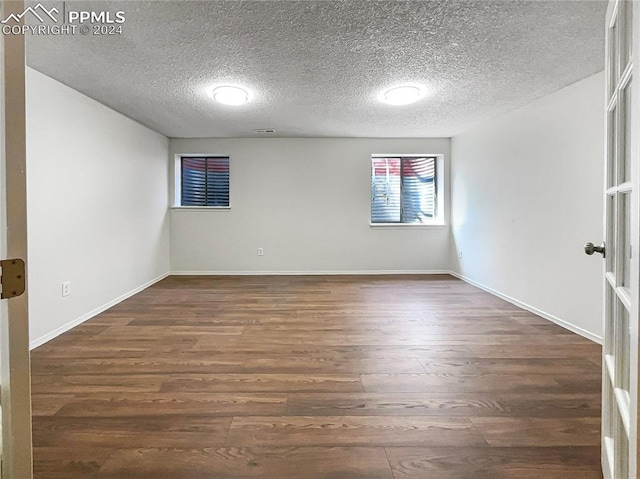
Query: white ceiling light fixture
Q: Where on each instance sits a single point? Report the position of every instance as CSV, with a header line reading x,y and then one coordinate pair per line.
x,y
402,95
229,95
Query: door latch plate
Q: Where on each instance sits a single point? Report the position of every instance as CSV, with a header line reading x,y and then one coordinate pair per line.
x,y
13,278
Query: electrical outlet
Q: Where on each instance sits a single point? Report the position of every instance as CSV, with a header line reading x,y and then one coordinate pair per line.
x,y
66,288
260,251
459,254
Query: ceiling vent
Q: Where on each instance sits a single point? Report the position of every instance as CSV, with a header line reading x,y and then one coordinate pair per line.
x,y
264,131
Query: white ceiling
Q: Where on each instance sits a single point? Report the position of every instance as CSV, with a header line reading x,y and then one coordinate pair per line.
x,y
316,68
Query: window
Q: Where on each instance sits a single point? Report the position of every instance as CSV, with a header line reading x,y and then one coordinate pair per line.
x,y
204,181
404,189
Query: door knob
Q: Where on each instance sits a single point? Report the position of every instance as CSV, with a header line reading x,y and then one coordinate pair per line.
x,y
589,249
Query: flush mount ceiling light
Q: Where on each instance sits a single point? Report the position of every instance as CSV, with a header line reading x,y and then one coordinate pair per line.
x,y
402,95
229,95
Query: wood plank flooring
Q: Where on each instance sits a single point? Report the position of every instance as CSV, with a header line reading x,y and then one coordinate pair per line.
x,y
324,377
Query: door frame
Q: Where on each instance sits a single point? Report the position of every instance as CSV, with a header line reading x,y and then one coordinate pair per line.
x,y
15,378
620,369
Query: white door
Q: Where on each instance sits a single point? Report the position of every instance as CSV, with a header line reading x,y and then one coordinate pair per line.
x,y
15,393
622,235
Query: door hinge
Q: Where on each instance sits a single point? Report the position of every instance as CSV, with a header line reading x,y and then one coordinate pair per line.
x,y
13,278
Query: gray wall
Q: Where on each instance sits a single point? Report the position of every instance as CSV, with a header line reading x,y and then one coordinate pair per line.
x,y
307,203
527,194
97,206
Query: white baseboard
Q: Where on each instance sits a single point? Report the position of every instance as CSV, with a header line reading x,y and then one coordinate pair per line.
x,y
72,324
560,322
305,273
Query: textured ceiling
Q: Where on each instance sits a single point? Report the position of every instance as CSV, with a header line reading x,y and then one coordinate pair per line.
x,y
316,68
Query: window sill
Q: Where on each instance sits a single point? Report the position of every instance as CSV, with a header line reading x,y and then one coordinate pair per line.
x,y
202,208
409,225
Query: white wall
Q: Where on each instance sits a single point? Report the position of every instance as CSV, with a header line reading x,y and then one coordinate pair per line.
x,y
527,194
97,205
307,203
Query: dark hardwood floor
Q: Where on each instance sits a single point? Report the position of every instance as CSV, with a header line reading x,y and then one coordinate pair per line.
x,y
352,377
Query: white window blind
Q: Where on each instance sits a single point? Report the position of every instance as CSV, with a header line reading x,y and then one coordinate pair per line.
x,y
205,181
403,189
